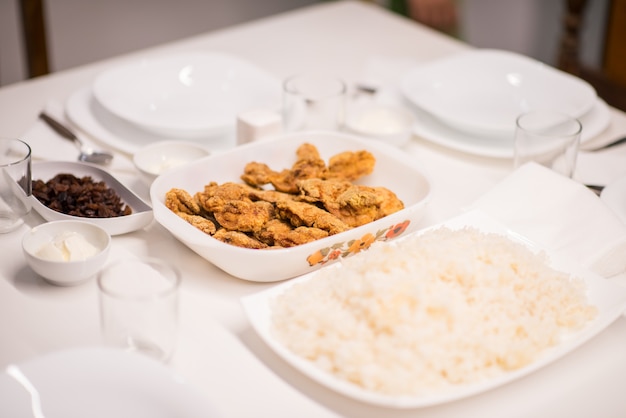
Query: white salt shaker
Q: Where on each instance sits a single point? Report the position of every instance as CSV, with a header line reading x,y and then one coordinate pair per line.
x,y
255,124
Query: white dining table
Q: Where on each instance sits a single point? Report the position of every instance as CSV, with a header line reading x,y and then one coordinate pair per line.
x,y
218,352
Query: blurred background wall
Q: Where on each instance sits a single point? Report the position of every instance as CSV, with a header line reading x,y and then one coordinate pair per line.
x,y
82,31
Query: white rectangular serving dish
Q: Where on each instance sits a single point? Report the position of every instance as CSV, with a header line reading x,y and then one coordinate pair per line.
x,y
394,169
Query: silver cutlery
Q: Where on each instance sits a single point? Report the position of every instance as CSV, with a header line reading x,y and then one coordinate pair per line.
x,y
595,188
87,154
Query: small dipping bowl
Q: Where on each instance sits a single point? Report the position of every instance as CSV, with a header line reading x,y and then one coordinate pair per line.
x,y
154,159
91,246
387,123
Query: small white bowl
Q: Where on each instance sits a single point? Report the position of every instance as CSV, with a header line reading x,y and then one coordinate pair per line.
x,y
388,123
153,160
66,273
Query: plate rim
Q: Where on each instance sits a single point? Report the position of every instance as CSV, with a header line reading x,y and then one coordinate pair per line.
x,y
432,130
112,364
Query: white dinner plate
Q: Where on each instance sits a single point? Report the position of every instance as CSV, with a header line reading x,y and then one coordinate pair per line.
x,y
434,130
187,95
91,117
614,195
141,214
483,91
609,298
97,383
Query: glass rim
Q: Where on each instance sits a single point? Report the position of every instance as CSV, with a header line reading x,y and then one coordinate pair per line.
x,y
173,288
289,88
577,126
26,157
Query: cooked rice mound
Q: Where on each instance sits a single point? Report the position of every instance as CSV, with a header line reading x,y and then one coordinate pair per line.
x,y
434,310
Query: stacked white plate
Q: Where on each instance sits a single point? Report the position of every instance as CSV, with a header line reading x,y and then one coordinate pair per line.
x,y
192,96
470,101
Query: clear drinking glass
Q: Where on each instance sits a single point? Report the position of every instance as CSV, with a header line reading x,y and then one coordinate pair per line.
x,y
15,183
139,306
549,138
313,101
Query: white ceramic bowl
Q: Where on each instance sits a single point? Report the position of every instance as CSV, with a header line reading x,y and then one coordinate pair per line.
x,y
388,123
66,273
394,169
154,159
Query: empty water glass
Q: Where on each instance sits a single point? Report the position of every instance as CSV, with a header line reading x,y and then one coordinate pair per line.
x,y
549,138
139,306
313,101
15,183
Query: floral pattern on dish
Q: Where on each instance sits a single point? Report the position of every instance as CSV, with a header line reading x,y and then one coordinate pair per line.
x,y
354,246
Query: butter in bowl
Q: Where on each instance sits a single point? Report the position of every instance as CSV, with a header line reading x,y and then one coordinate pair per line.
x,y
67,252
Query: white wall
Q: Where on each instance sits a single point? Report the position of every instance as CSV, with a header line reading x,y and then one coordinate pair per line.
x,y
81,31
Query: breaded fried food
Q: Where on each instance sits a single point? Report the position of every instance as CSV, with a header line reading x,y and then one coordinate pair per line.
x,y
305,214
203,224
390,204
350,165
271,196
308,164
309,201
280,233
239,239
241,215
355,205
180,201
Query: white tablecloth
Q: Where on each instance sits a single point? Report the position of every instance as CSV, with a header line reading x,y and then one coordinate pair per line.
x,y
218,352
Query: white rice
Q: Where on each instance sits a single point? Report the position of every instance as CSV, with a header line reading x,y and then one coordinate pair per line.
x,y
439,309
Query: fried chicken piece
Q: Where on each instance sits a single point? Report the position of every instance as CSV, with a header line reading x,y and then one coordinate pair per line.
x,y
271,196
203,224
391,203
280,233
245,216
305,214
211,199
300,235
273,229
257,174
239,239
355,205
350,165
180,201
309,164
318,190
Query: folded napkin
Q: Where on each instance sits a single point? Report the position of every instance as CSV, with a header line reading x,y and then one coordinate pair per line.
x,y
46,144
561,215
601,167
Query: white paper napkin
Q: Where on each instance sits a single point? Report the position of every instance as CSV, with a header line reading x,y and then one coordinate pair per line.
x,y
561,215
46,144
